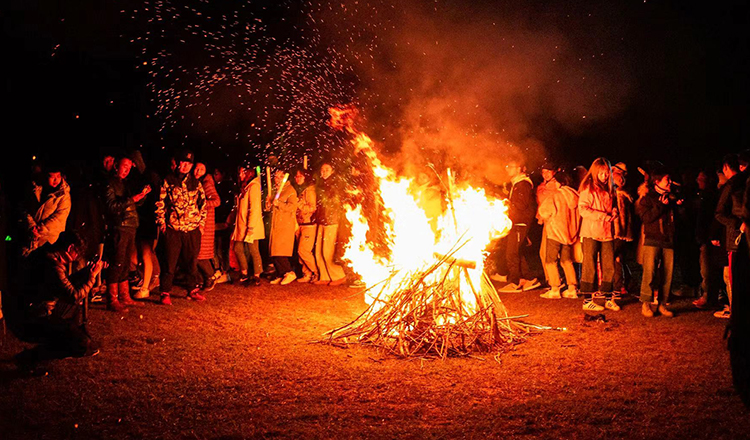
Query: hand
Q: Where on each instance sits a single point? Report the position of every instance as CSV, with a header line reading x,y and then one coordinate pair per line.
x,y
97,267
146,189
276,203
743,227
715,243
36,231
664,199
680,202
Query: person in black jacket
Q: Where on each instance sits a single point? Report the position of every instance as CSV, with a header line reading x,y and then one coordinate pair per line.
x,y
729,214
656,210
521,211
122,218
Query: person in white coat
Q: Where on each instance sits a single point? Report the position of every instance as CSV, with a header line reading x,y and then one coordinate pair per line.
x,y
248,224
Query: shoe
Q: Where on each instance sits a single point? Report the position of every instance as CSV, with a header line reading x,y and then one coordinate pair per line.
x,y
305,279
646,310
288,278
611,304
254,281
195,295
571,293
243,280
337,282
591,306
113,301
124,295
598,295
499,278
530,284
665,312
511,288
209,285
616,296
276,281
224,278
551,294
165,299
701,302
724,314
142,294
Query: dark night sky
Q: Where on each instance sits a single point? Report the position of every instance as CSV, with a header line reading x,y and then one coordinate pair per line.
x,y
73,82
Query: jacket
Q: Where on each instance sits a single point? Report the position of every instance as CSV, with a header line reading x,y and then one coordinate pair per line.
x,y
212,201
658,220
598,211
328,197
521,209
50,214
624,221
248,214
182,203
559,212
306,205
119,204
284,223
729,209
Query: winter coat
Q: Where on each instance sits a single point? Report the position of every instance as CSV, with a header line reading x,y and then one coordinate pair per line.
x,y
329,206
658,220
182,203
729,209
212,201
306,206
624,222
120,207
284,223
597,211
50,214
521,208
248,214
559,212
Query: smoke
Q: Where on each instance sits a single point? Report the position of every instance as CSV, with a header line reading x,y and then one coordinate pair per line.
x,y
472,85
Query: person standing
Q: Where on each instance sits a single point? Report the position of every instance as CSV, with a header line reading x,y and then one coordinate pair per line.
x,y
597,205
283,208
122,220
729,214
521,212
624,233
559,212
248,224
49,210
225,188
306,206
147,234
181,215
546,189
206,254
656,210
328,214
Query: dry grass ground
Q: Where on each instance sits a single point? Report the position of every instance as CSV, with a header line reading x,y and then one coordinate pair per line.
x,y
240,365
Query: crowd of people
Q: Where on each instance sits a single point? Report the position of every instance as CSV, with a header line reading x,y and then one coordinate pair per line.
x,y
591,223
127,232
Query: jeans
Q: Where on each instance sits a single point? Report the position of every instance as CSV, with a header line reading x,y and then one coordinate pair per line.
x,y
565,253
122,248
650,257
244,251
604,250
518,267
185,246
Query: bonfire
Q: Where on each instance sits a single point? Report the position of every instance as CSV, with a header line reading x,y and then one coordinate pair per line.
x,y
428,294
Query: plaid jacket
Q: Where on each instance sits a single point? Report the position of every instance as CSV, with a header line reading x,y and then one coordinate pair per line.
x,y
182,203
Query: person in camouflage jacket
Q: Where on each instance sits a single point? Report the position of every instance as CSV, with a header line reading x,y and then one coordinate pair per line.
x,y
181,216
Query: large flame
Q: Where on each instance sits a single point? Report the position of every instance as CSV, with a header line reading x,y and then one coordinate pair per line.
x,y
467,221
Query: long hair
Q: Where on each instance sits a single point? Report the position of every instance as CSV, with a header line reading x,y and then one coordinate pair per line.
x,y
591,182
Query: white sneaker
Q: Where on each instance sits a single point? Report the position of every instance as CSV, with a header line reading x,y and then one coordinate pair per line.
x,y
142,293
288,278
276,281
724,314
612,305
224,278
511,288
551,294
571,293
530,284
591,306
499,278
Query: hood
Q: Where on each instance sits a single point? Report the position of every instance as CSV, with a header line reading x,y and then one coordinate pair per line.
x,y
570,196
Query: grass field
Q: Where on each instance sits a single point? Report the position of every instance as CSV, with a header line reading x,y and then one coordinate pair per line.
x,y
241,365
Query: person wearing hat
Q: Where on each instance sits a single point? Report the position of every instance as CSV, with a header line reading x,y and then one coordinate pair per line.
x,y
623,227
181,216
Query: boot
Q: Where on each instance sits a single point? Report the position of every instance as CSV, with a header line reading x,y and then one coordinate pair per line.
x,y
113,303
124,294
664,311
646,310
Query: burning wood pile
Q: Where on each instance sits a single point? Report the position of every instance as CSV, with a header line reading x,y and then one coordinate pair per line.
x,y
428,295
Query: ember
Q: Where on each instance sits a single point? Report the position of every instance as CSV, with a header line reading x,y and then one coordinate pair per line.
x,y
430,295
